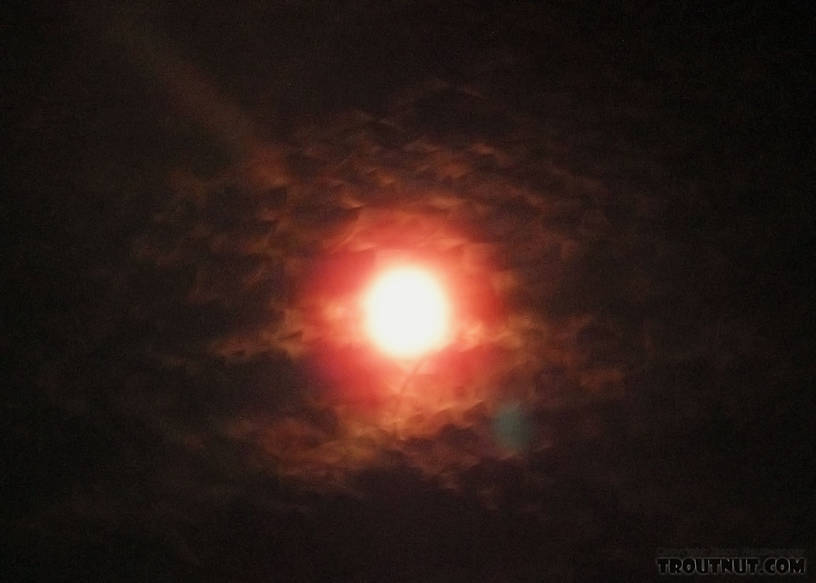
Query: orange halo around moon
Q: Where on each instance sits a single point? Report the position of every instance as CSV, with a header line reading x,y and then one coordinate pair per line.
x,y
407,312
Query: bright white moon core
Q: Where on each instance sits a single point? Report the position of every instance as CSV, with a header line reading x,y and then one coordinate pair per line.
x,y
406,312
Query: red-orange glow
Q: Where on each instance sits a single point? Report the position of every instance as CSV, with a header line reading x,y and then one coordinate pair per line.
x,y
399,321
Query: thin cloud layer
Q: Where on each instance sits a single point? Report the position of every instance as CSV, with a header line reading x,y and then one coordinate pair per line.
x,y
198,399
277,248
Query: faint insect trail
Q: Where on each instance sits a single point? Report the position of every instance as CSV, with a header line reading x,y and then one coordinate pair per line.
x,y
401,393
188,88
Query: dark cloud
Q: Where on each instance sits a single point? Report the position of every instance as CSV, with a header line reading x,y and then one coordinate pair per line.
x,y
202,192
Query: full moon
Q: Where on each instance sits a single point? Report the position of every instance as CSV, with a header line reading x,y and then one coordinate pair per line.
x,y
407,312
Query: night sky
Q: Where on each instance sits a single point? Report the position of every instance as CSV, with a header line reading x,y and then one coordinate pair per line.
x,y
621,200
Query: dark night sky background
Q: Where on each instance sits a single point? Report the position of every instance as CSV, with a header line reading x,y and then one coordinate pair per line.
x,y
634,184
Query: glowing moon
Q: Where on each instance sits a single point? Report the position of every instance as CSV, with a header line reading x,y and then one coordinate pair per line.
x,y
407,312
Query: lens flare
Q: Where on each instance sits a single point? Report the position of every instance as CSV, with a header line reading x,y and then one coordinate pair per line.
x,y
407,312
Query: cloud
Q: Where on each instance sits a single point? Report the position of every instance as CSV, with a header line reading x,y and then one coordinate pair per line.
x,y
202,396
275,249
